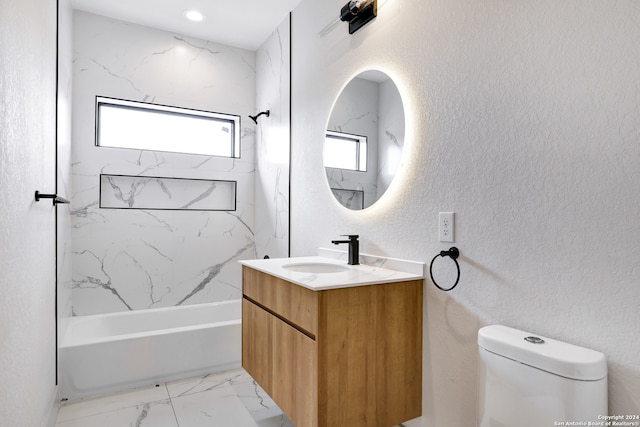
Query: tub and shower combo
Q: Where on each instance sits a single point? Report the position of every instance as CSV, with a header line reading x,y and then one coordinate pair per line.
x,y
106,353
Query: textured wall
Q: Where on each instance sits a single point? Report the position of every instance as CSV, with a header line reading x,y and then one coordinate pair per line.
x,y
136,259
523,119
27,228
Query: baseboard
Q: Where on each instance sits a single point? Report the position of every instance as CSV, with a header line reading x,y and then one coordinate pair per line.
x,y
54,405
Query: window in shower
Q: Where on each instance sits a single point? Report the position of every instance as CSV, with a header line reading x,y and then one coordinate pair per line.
x,y
143,126
345,151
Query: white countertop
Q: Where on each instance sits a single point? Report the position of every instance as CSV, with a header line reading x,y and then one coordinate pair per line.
x,y
355,275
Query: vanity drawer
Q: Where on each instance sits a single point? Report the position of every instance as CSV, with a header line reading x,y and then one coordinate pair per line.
x,y
293,303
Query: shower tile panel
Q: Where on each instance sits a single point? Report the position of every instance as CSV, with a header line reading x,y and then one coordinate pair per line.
x,y
343,185
352,199
272,144
145,192
133,259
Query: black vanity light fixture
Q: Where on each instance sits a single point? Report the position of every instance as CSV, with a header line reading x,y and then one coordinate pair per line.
x,y
358,12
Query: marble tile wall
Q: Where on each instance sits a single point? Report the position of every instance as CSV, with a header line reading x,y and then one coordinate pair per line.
x,y
63,148
391,131
137,259
352,199
272,144
136,192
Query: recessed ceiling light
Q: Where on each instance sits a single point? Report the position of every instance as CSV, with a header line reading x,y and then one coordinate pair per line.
x,y
194,15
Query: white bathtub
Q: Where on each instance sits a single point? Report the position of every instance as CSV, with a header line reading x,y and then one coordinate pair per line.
x,y
106,353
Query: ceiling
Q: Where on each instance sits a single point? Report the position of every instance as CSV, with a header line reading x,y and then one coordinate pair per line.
x,y
241,23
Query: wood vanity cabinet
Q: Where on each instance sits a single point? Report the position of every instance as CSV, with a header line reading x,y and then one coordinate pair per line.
x,y
347,357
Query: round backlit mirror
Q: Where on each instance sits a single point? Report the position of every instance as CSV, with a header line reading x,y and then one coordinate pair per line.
x,y
364,139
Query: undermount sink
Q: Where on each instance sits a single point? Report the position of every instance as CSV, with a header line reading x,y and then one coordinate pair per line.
x,y
316,267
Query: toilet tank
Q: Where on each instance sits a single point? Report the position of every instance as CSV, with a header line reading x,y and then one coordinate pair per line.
x,y
530,381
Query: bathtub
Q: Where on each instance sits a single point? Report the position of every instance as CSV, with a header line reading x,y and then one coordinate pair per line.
x,y
106,353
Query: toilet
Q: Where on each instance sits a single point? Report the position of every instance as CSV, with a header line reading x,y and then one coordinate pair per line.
x,y
531,381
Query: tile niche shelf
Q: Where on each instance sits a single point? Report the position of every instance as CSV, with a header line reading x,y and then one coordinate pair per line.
x,y
147,192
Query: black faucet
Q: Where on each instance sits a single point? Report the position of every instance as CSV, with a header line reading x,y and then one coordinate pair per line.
x,y
354,248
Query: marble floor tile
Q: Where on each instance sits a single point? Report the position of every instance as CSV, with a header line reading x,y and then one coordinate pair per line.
x,y
226,399
154,414
208,382
261,407
217,407
271,417
99,405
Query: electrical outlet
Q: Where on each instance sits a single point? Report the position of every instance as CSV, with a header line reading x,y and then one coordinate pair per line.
x,y
446,227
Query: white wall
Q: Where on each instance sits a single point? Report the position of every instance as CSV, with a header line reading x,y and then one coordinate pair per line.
x,y
522,117
127,259
27,228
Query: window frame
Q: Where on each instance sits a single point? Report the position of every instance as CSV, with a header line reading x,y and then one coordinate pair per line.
x,y
233,120
359,140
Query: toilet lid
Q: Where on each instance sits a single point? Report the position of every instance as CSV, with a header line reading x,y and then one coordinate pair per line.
x,y
553,356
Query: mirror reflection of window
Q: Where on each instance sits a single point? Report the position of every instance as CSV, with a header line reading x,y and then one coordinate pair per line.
x,y
371,105
345,151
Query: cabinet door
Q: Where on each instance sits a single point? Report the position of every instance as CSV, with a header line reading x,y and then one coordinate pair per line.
x,y
256,344
293,302
294,375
